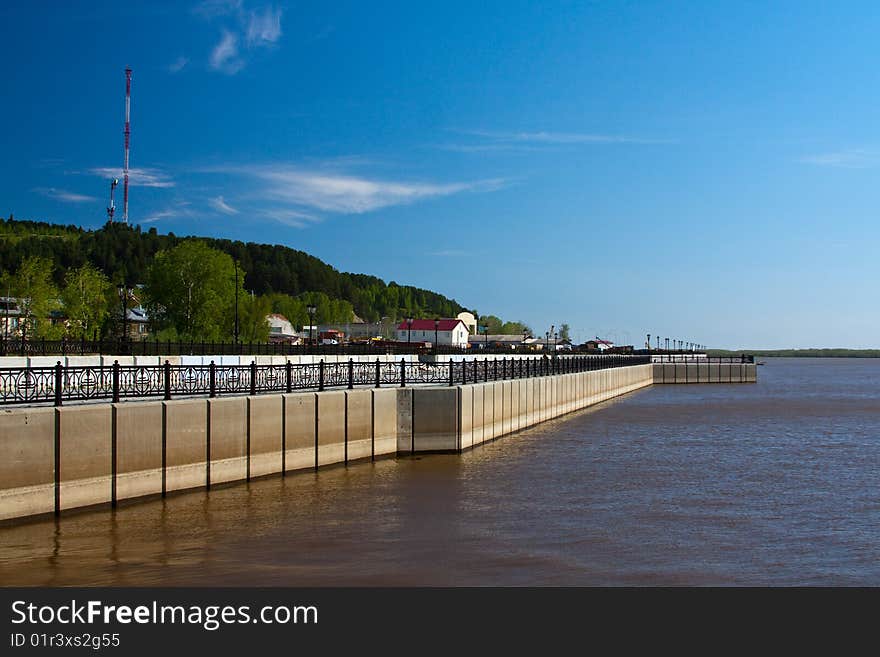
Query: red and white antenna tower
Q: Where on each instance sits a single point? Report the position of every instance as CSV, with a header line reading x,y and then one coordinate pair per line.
x,y
127,144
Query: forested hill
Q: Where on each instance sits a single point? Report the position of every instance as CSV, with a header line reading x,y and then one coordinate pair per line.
x,y
125,252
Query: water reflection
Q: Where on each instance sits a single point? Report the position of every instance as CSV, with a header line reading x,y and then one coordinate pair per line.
x,y
774,483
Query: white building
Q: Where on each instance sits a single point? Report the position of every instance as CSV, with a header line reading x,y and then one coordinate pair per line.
x,y
280,329
448,332
469,321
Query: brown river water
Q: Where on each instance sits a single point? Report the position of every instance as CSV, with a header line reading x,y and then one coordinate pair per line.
x,y
774,483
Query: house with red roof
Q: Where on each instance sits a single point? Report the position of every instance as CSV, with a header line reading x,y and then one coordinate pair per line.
x,y
452,332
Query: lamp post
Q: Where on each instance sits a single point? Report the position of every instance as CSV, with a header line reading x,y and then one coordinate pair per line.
x,y
311,310
649,342
235,329
409,322
6,324
547,340
123,298
436,328
667,344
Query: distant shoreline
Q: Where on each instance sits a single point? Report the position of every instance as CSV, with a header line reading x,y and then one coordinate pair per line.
x,y
800,353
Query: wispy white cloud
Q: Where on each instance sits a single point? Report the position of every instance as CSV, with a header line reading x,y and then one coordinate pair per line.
x,y
854,158
348,194
488,148
221,206
490,141
179,209
290,217
243,31
224,56
64,195
143,177
263,27
568,138
178,64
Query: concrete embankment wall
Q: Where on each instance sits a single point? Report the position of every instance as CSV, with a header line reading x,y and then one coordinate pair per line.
x,y
53,459
699,372
462,417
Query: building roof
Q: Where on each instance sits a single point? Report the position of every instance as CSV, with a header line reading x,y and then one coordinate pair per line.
x,y
136,315
499,337
428,325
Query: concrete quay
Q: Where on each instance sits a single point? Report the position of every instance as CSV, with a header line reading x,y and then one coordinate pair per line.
x,y
701,371
56,459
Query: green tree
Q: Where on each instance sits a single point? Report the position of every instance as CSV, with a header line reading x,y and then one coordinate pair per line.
x,y
515,328
85,298
252,318
492,323
38,297
293,309
191,288
564,330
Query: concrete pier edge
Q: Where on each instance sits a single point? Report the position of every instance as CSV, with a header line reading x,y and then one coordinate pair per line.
x,y
57,459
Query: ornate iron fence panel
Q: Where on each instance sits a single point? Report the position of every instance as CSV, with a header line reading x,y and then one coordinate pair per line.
x,y
35,385
190,380
134,381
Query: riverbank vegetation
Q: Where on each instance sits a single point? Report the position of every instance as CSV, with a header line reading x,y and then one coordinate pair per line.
x,y
188,284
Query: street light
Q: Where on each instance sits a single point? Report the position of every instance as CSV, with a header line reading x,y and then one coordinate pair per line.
x,y
235,331
436,328
667,344
123,297
649,342
409,323
311,310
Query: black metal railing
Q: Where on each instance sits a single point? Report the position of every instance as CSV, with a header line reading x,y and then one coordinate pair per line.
x,y
700,358
120,347
58,384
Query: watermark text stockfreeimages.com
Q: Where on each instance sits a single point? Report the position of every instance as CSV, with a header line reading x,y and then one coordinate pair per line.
x,y
209,617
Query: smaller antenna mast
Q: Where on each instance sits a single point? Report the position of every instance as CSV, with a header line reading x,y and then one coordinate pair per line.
x,y
112,208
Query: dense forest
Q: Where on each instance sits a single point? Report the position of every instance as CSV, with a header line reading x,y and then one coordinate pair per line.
x,y
125,253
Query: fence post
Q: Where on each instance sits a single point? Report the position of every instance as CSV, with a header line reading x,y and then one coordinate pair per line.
x,y
403,372
321,375
212,379
167,369
115,381
451,373
504,367
58,381
378,373
253,377
287,377
350,373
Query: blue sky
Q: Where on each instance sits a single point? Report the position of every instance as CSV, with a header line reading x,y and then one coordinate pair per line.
x,y
706,171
